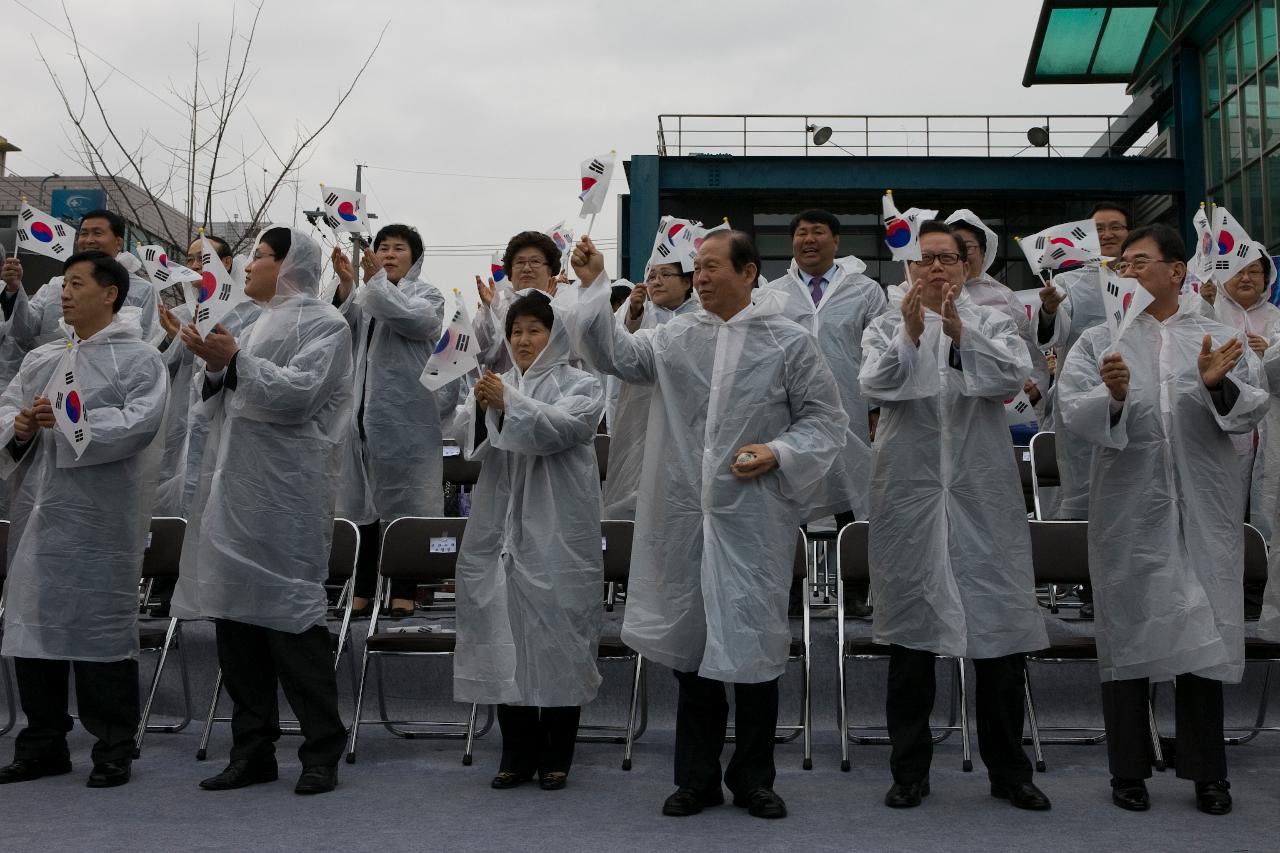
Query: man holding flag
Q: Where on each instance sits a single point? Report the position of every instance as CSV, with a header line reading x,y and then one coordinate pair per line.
x,y
1158,405
35,320
80,467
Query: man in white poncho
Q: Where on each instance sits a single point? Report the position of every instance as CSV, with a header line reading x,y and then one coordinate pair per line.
x,y
1166,540
744,423
80,524
949,548
257,549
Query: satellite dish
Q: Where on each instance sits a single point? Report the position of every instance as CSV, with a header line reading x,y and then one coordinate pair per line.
x,y
1038,136
820,135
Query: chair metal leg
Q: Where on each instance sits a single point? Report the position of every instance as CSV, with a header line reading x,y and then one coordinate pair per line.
x,y
471,735
806,699
1031,718
1259,723
355,720
155,685
1155,734
631,712
203,749
967,755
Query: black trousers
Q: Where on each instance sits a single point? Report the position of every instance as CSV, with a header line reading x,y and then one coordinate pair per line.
x,y
254,660
537,739
366,581
999,694
106,697
1201,755
702,719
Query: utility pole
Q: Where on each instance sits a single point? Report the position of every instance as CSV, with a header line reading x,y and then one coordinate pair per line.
x,y
355,238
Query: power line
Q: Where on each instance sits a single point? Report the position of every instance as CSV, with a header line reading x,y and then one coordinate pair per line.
x,y
470,175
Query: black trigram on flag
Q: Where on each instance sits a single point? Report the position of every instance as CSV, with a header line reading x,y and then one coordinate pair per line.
x,y
1113,289
331,222
206,259
597,167
225,293
69,378
1243,250
1058,253
161,275
664,249
1222,265
151,254
331,199
202,314
463,344
1118,315
1020,406
1079,233
1040,241
23,236
78,436
27,215
58,248
57,404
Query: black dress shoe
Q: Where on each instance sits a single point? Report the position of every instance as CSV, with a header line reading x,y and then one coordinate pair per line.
x,y
1213,797
553,781
690,801
34,768
241,774
1130,794
109,774
858,610
317,779
762,802
506,780
1086,611
1023,795
906,796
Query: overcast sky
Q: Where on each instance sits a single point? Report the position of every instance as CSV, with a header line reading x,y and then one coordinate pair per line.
x,y
518,91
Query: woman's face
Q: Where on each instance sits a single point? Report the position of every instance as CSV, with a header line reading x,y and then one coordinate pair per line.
x,y
666,286
261,274
529,337
395,257
1246,286
529,269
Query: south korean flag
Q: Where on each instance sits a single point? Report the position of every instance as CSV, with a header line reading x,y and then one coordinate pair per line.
x,y
456,352
43,234
344,210
1123,299
69,411
1018,411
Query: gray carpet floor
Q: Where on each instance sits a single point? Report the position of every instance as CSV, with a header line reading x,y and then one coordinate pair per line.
x,y
416,794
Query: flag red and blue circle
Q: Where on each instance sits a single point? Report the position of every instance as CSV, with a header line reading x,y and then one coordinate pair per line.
x,y
497,272
673,232
347,212
164,260
41,232
73,407
1127,301
207,286
897,233
587,183
1226,243
444,342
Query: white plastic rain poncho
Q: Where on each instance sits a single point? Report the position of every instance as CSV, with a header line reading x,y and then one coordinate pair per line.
x,y
394,466
849,304
1081,310
950,551
186,421
34,321
80,525
257,545
491,323
712,560
1166,545
631,419
531,571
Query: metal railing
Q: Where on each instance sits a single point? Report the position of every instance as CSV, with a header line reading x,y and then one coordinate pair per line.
x,y
894,135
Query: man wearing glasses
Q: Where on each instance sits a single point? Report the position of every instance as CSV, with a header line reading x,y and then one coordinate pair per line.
x,y
949,548
1166,549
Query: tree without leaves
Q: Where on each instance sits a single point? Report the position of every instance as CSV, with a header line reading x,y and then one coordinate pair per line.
x,y
197,173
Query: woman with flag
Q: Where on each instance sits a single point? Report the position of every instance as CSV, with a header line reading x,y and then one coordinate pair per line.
x,y
395,463
530,572
79,427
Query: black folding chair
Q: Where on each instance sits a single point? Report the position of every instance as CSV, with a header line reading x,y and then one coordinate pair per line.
x,y
423,550
459,470
1022,455
160,563
6,680
1044,471
1256,651
343,551
602,454
616,539
1060,555
853,566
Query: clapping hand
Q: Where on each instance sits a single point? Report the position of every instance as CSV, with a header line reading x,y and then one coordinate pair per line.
x,y
1215,364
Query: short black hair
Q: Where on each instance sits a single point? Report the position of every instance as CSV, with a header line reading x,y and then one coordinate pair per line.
x,y
1117,207
815,216
537,240
107,271
222,247
933,226
618,295
407,233
279,240
1167,239
114,220
979,236
536,305
742,250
